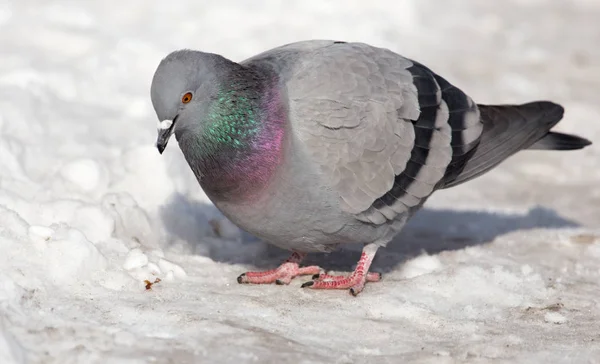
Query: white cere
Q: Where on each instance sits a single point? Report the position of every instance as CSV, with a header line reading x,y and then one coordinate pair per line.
x,y
165,124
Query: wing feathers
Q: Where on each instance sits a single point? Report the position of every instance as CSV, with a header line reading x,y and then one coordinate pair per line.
x,y
386,131
383,129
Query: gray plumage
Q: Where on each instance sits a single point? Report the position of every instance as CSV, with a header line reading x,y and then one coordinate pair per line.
x,y
368,136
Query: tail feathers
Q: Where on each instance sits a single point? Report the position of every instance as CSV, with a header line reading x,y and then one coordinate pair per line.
x,y
508,129
560,141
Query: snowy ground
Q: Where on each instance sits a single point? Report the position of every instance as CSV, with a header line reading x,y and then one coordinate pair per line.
x,y
502,269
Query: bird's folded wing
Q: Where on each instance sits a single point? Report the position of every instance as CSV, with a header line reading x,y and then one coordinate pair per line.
x,y
383,129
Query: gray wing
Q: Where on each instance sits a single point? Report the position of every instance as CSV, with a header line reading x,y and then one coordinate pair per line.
x,y
384,130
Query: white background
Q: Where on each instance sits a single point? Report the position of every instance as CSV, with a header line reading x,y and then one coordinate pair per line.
x,y
502,269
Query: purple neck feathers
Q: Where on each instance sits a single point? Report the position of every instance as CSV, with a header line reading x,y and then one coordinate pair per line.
x,y
241,144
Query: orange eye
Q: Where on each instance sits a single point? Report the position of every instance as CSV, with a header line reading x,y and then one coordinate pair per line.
x,y
186,98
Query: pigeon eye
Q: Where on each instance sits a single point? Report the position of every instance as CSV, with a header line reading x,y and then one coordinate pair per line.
x,y
186,98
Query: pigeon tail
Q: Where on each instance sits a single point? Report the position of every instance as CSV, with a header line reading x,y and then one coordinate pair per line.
x,y
508,129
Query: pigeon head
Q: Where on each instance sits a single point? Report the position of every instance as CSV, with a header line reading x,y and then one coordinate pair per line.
x,y
183,87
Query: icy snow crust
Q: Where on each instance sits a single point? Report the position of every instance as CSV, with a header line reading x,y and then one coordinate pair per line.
x,y
502,269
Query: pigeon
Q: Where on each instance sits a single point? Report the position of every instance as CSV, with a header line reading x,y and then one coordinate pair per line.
x,y
320,143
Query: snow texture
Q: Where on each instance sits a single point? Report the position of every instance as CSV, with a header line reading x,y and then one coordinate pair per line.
x,y
503,269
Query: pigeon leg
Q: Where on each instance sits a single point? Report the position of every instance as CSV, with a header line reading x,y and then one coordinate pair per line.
x,y
355,281
282,274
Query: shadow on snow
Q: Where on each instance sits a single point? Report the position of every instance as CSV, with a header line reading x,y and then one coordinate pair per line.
x,y
430,230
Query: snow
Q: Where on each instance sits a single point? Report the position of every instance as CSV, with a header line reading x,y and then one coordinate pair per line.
x,y
502,269
555,318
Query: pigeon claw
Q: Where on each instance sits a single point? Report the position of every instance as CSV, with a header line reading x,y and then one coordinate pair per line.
x,y
355,282
281,276
307,284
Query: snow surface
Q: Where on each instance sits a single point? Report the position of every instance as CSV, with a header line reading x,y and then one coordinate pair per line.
x,y
503,269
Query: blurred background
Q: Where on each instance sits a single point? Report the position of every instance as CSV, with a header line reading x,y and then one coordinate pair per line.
x,y
77,134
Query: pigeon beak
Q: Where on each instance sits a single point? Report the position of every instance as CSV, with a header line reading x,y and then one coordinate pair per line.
x,y
165,130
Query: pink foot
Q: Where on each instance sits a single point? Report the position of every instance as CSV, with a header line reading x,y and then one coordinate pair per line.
x,y
355,281
371,277
282,274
